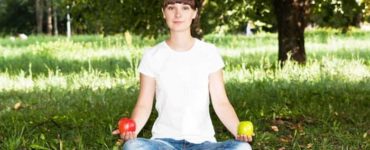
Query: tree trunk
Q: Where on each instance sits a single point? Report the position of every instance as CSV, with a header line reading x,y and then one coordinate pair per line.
x,y
56,32
357,19
39,15
291,23
49,17
68,22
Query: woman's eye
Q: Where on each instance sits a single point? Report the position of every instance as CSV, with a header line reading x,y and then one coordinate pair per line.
x,y
186,8
170,7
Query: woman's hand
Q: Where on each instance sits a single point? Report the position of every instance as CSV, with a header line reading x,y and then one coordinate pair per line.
x,y
126,135
244,138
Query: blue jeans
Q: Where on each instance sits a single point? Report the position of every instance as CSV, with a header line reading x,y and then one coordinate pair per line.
x,y
171,144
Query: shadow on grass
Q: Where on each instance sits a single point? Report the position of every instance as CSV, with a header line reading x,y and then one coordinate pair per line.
x,y
44,63
269,60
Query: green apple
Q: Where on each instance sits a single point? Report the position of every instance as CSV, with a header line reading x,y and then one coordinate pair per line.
x,y
245,128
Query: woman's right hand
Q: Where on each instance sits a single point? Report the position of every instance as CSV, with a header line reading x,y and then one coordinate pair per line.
x,y
126,135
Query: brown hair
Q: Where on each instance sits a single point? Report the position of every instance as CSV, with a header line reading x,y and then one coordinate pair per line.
x,y
187,2
196,31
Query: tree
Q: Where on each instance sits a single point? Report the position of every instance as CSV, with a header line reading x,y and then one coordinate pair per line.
x,y
223,16
17,16
55,18
49,10
338,13
366,4
39,6
291,22
144,17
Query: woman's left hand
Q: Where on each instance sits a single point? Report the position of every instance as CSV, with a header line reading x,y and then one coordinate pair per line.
x,y
244,138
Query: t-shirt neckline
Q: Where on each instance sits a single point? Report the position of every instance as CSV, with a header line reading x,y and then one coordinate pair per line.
x,y
181,52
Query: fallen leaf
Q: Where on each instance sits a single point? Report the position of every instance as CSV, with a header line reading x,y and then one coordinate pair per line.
x,y
18,105
279,122
297,126
281,148
309,146
286,139
275,128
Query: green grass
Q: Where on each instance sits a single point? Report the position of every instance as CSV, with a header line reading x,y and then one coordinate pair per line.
x,y
73,91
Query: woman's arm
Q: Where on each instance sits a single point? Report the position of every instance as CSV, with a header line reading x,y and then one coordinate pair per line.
x,y
222,106
144,104
143,107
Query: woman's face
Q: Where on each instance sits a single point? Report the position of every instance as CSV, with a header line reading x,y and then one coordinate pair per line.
x,y
179,16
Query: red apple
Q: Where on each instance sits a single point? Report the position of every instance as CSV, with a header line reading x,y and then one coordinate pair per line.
x,y
126,125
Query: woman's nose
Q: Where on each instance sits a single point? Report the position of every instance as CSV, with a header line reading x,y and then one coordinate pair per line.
x,y
177,13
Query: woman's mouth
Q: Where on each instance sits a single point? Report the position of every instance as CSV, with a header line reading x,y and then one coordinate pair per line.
x,y
177,22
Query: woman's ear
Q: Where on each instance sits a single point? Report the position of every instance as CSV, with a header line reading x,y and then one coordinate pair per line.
x,y
164,16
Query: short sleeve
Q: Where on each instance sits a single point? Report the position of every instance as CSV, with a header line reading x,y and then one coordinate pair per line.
x,y
216,61
145,66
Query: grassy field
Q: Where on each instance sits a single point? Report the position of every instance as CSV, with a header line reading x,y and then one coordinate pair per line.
x,y
57,93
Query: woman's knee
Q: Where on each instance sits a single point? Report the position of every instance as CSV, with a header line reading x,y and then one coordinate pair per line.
x,y
243,146
237,145
137,144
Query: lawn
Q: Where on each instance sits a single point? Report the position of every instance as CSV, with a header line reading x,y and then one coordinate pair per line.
x,y
58,93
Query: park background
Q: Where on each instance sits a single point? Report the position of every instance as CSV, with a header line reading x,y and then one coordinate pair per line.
x,y
298,69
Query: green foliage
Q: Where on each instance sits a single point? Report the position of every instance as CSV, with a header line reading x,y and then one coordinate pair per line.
x,y
232,16
16,16
144,17
109,17
337,13
218,16
57,93
366,4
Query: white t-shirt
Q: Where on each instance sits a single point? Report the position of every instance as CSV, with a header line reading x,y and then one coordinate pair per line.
x,y
182,94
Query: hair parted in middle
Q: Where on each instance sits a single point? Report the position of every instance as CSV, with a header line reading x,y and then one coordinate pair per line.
x,y
192,3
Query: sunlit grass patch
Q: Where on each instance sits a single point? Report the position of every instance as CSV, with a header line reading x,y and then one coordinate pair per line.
x,y
91,79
